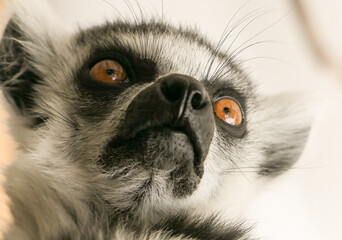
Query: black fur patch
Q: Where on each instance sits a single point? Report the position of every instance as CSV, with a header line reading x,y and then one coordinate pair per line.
x,y
281,157
203,228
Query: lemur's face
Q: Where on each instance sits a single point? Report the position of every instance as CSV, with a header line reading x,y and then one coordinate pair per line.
x,y
152,105
153,118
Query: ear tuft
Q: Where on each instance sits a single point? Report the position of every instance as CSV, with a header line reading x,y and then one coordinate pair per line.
x,y
30,41
284,122
16,75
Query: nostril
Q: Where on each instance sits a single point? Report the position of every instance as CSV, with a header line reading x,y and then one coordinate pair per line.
x,y
172,91
197,100
183,92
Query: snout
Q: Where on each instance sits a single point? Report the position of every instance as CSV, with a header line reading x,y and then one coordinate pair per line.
x,y
167,130
176,105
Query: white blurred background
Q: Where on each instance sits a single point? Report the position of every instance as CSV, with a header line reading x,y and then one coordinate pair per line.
x,y
306,202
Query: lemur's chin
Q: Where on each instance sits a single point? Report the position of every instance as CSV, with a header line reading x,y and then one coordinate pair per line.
x,y
173,151
166,150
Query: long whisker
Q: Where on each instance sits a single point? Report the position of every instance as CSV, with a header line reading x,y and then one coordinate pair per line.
x,y
222,68
241,48
116,10
253,16
224,35
235,164
131,9
263,30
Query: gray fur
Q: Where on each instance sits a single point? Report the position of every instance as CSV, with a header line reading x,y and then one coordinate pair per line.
x,y
56,186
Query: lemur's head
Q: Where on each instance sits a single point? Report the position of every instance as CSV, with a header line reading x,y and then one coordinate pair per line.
x,y
143,117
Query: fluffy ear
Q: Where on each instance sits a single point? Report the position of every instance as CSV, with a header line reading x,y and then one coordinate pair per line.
x,y
29,41
283,125
17,75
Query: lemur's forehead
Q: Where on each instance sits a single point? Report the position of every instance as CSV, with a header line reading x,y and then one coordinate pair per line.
x,y
172,50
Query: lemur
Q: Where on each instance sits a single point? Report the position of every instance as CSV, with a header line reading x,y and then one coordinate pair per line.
x,y
132,130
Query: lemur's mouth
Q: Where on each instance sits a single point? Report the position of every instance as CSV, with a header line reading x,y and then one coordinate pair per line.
x,y
178,143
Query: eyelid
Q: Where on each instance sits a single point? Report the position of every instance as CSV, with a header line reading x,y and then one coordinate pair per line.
x,y
226,96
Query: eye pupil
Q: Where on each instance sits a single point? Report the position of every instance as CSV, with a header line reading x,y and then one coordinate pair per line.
x,y
110,71
226,110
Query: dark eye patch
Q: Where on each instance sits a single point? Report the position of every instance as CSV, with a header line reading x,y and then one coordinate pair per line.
x,y
138,70
97,98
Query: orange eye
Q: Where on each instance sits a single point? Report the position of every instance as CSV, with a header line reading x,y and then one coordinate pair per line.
x,y
228,110
108,71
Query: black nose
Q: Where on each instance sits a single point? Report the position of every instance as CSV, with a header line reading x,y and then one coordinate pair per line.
x,y
185,90
177,103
